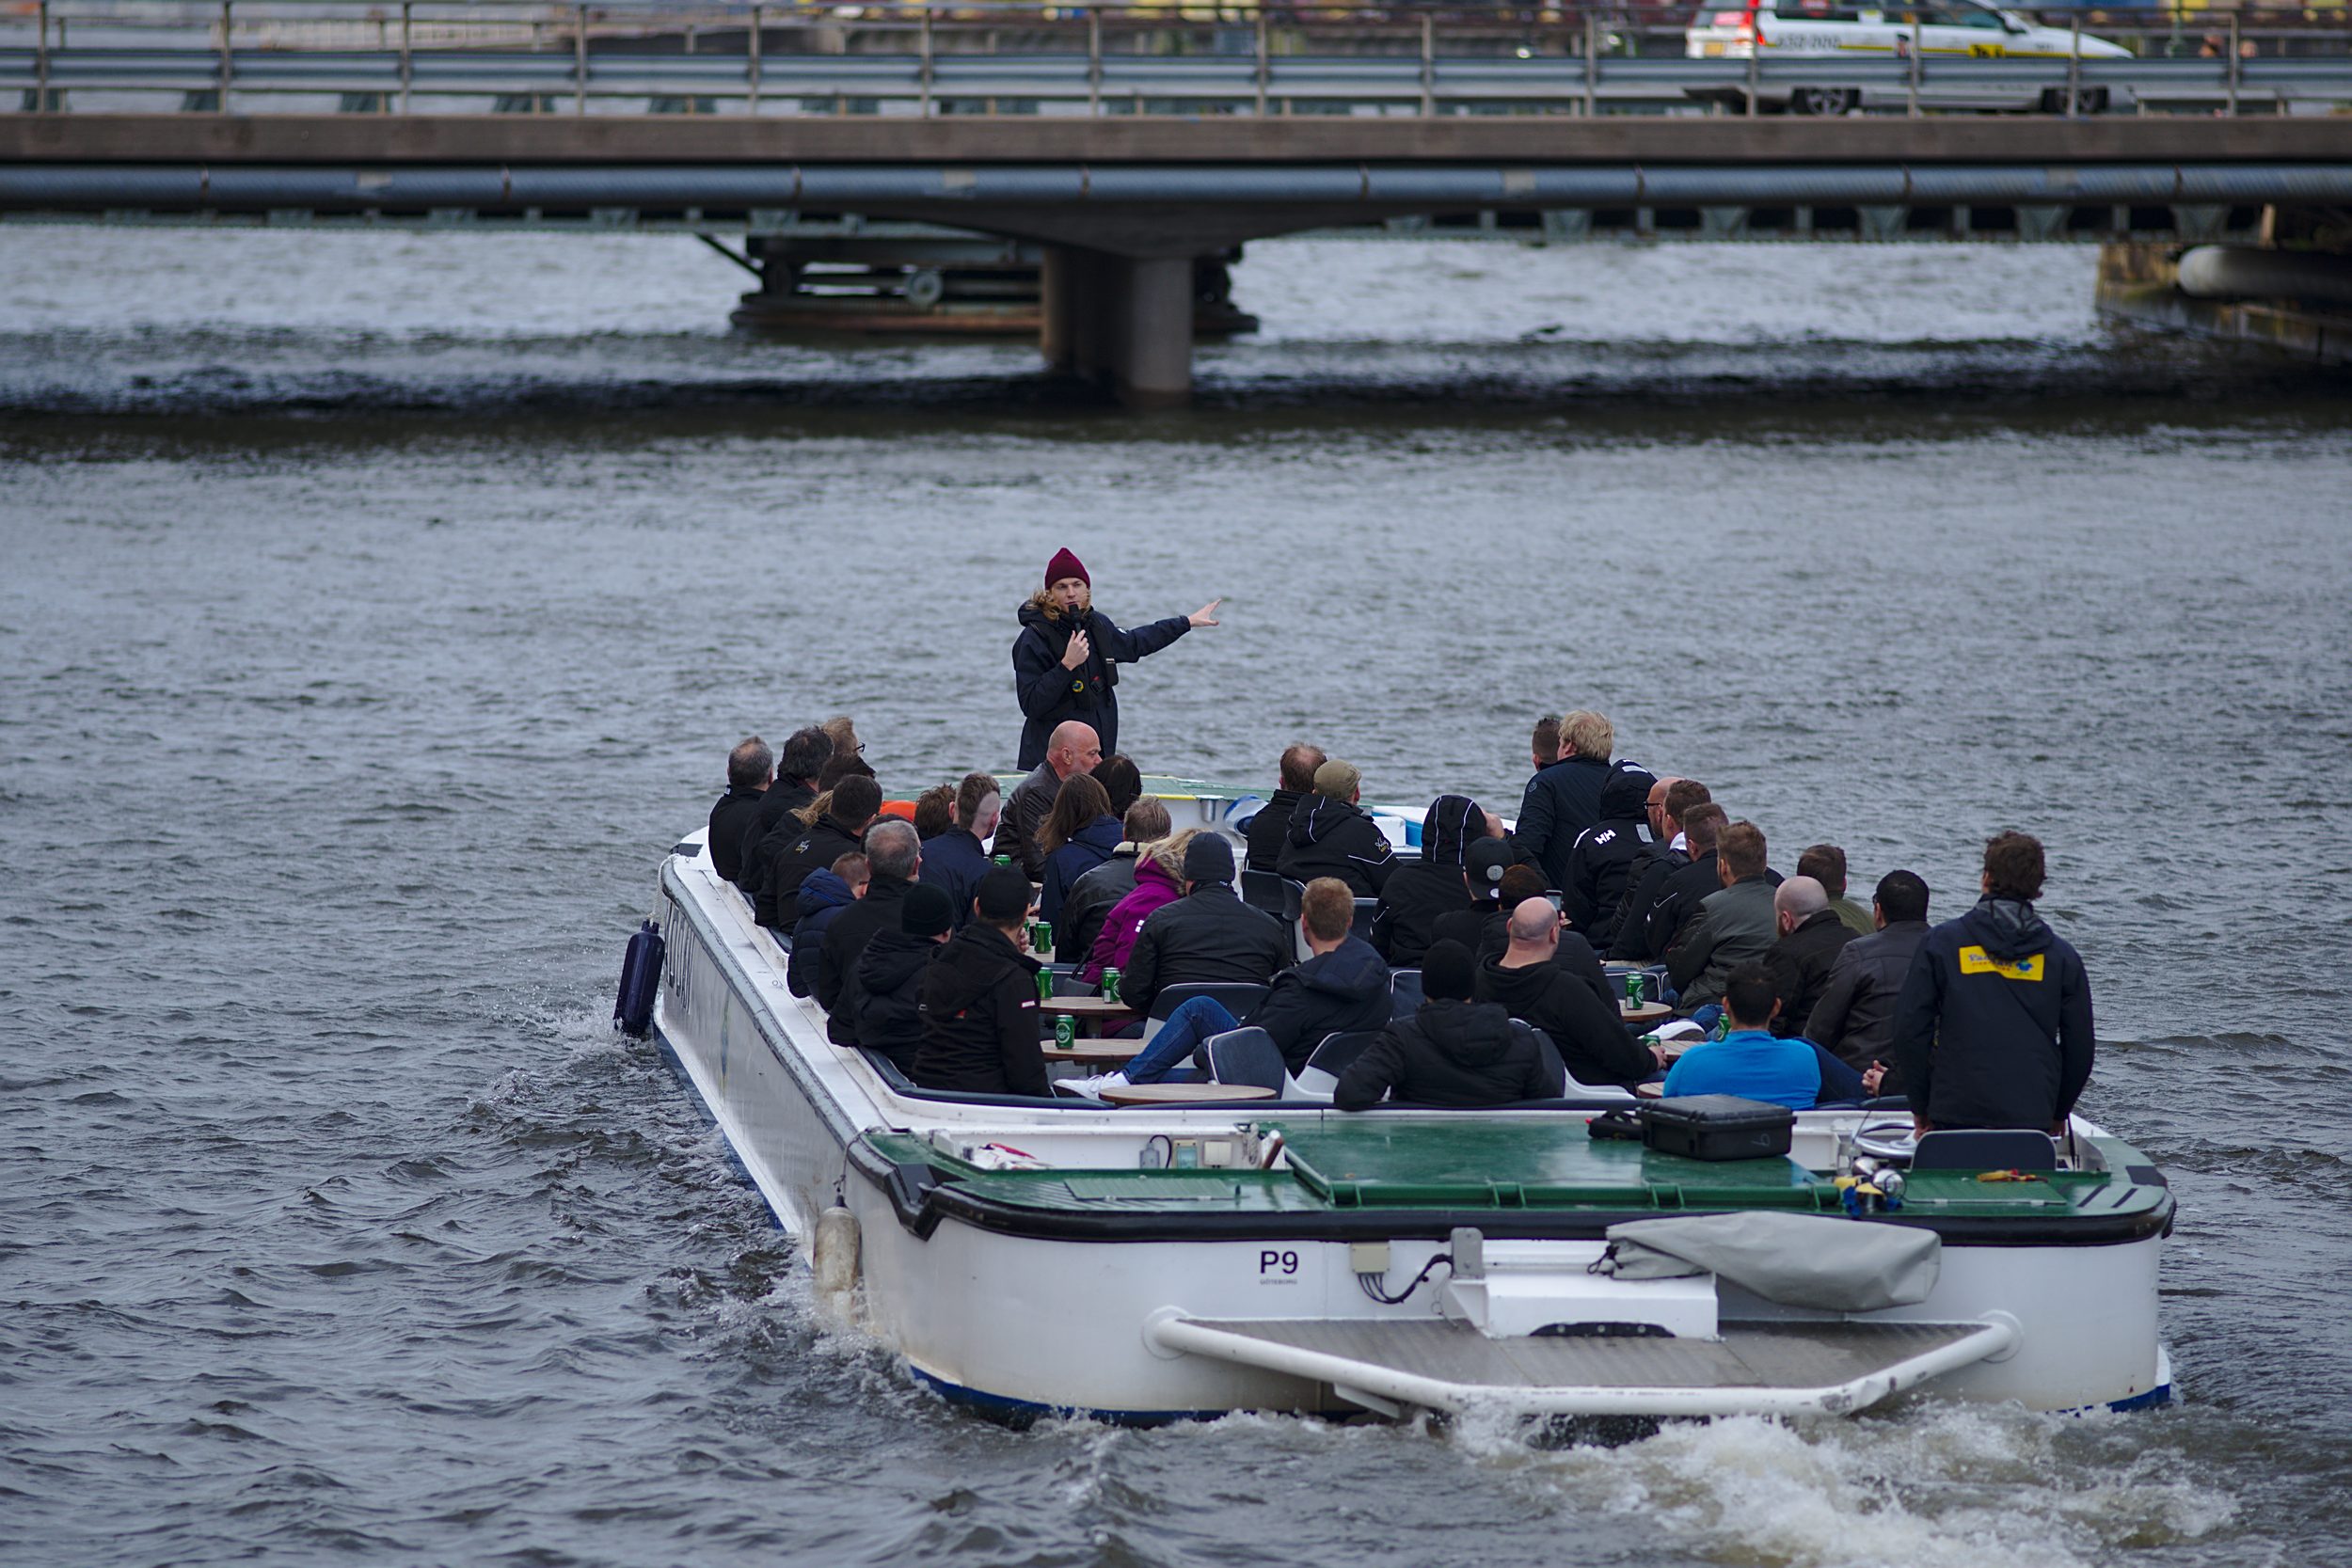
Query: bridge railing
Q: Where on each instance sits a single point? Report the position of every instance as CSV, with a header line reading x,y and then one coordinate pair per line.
x,y
528,56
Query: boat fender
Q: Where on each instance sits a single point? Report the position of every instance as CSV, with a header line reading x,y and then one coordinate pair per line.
x,y
832,1257
640,981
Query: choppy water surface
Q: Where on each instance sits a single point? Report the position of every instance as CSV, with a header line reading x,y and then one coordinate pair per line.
x,y
378,610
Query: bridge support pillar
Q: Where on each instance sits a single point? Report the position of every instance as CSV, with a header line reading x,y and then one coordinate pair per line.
x,y
1123,323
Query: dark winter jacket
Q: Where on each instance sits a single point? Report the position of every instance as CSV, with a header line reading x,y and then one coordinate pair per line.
x,y
1589,1034
813,848
980,1017
1992,1027
1487,934
1049,694
1025,810
1088,849
1629,940
885,991
816,905
1090,902
769,829
1735,926
1270,829
1346,989
1679,897
1208,934
1601,863
1333,838
1855,1018
845,940
955,862
1562,800
1449,1054
1424,891
1800,963
729,820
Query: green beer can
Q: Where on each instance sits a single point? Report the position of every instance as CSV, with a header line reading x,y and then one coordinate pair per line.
x,y
1044,984
1065,1031
1110,985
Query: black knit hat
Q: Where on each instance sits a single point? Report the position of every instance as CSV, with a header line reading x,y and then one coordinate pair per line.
x,y
1004,896
1208,857
1446,971
926,911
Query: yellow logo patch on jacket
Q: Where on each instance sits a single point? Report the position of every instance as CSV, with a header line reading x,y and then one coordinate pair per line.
x,y
1976,960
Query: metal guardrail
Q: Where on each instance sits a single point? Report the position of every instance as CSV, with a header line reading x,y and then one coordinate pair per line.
x,y
423,59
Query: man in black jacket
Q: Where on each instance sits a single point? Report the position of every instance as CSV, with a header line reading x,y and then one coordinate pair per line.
x,y
841,830
893,853
1424,891
1683,891
1270,829
1601,863
751,769
1855,1018
1342,986
979,1000
882,999
1811,937
1589,1034
805,755
1065,662
1208,934
1073,749
1330,836
1564,799
1090,899
1669,852
1487,933
1451,1050
1992,1027
955,862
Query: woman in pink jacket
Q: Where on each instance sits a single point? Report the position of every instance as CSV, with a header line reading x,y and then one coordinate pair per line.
x,y
1159,880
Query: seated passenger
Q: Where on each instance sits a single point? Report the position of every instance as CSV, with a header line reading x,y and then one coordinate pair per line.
x,y
1330,836
1491,869
1208,934
1600,862
885,988
1451,1050
1492,935
1435,885
1826,865
935,812
1121,780
1092,898
1075,749
1270,829
751,769
1527,979
979,1000
1675,902
822,897
832,825
1735,924
805,755
1159,882
1630,940
1811,936
1854,1021
1078,836
1345,986
892,854
955,861
1756,1063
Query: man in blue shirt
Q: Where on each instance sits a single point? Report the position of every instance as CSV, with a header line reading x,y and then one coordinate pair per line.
x,y
1753,1063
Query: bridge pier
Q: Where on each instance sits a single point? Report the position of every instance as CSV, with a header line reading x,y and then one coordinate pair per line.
x,y
1122,322
2292,293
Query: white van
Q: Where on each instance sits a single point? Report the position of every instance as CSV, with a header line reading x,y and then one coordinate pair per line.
x,y
1861,29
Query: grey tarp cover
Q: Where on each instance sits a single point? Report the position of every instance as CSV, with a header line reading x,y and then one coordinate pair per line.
x,y
1836,1265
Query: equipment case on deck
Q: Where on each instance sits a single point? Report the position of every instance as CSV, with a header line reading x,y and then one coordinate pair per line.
x,y
1717,1127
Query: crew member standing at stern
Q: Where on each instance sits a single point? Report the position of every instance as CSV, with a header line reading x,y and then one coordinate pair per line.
x,y
1065,664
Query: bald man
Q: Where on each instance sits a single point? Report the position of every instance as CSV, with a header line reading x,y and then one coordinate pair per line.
x,y
1530,981
1810,936
1073,748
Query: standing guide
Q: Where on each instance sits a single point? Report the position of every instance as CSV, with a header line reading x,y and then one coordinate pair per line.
x,y
1065,664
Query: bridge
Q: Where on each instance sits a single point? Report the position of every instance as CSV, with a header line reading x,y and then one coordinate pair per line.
x,y
1120,172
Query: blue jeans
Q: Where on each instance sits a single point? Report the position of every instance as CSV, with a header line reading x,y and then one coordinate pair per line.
x,y
1179,1037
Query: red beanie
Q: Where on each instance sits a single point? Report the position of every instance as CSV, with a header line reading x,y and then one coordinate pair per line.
x,y
1064,564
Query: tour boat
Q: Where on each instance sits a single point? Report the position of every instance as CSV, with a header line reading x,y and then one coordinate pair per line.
x,y
1175,1260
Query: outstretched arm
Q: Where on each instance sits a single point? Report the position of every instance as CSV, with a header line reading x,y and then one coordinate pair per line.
x,y
1125,647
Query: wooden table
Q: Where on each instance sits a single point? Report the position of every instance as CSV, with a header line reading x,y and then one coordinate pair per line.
x,y
1098,1010
1184,1094
1649,1012
1110,1053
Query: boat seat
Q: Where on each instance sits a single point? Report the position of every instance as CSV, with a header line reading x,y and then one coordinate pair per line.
x,y
1239,997
1248,1056
1366,908
1555,1069
1264,890
1405,995
1320,1078
1983,1149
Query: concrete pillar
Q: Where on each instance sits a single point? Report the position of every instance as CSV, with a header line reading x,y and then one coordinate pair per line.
x,y
1152,351
1072,296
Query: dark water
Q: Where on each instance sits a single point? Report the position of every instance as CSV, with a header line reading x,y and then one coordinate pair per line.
x,y
376,611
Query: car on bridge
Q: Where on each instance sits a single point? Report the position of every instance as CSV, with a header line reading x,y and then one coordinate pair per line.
x,y
1859,30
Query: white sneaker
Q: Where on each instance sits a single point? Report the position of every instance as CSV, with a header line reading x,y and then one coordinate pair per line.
x,y
1092,1088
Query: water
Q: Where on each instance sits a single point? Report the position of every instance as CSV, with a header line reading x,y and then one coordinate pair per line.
x,y
377,610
